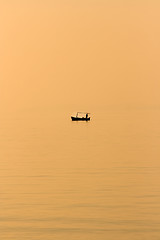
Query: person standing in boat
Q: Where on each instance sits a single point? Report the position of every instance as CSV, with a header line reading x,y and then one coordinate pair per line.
x,y
86,115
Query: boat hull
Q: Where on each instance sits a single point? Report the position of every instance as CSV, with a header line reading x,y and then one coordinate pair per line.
x,y
80,119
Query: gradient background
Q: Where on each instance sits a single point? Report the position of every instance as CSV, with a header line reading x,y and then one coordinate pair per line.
x,y
68,180
54,51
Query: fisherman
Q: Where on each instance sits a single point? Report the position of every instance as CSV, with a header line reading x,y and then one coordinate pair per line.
x,y
86,115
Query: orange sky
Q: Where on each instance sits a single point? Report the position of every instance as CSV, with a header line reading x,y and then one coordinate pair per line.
x,y
107,52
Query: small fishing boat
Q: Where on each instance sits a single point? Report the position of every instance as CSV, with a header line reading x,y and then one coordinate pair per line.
x,y
81,116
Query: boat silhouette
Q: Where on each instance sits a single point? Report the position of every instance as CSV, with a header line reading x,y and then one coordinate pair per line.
x,y
80,116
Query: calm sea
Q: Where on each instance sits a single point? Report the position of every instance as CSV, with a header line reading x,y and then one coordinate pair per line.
x,y
69,180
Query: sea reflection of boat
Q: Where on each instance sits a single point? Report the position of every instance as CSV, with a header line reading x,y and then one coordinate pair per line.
x,y
81,116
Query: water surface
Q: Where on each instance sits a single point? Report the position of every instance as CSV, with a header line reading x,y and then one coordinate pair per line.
x,y
80,180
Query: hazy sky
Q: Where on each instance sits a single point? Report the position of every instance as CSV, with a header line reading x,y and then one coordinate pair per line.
x,y
96,52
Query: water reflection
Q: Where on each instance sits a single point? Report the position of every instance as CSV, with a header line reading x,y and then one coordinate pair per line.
x,y
67,180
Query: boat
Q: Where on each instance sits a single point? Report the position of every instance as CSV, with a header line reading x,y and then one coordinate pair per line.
x,y
81,116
